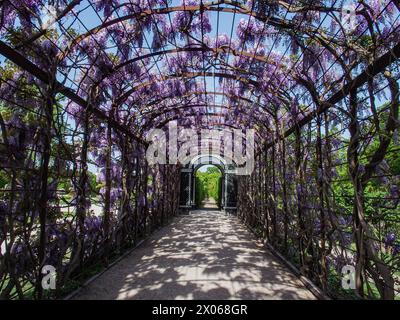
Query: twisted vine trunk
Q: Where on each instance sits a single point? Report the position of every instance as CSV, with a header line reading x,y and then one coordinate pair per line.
x,y
44,176
107,194
300,191
323,274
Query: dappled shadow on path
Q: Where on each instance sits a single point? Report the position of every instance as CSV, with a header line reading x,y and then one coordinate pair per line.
x,y
204,255
209,204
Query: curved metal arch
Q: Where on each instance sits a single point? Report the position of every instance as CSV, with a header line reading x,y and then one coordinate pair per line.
x,y
216,160
222,49
188,161
211,93
258,141
126,95
175,117
223,166
218,165
238,8
209,114
164,139
195,158
205,114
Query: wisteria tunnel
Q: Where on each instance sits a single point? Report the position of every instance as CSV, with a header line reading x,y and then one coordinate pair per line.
x,y
87,88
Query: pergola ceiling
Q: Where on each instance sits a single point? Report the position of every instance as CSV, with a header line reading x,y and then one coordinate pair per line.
x,y
140,64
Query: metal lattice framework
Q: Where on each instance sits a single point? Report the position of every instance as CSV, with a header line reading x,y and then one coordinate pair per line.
x,y
82,82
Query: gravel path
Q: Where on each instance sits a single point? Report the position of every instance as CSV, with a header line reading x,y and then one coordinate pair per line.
x,y
204,255
209,204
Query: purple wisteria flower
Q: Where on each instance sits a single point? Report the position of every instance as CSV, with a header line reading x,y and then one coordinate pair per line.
x,y
390,239
396,250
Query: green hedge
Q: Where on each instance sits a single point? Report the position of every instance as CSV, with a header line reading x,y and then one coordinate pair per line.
x,y
208,185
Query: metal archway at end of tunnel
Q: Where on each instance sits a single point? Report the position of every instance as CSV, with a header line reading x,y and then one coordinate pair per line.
x,y
188,182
